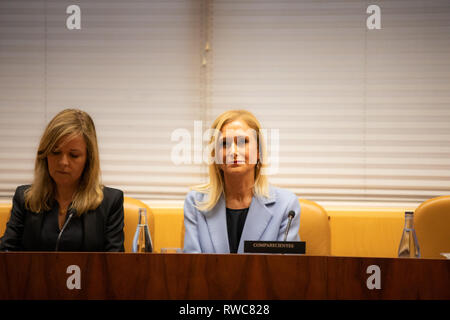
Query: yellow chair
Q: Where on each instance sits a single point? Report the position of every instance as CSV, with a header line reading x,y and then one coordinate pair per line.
x,y
432,224
5,212
314,228
131,215
169,228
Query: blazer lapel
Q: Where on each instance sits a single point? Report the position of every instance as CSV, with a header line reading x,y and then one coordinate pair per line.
x,y
258,218
217,227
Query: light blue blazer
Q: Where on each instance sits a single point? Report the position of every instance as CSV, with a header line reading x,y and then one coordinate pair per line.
x,y
267,218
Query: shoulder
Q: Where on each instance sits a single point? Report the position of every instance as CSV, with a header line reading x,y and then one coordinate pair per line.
x,y
20,192
285,201
24,187
111,195
21,189
195,196
192,201
280,194
111,192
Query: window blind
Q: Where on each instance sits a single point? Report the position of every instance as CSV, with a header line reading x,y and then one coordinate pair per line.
x,y
363,115
134,66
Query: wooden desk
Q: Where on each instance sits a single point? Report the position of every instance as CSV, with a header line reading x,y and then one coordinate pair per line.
x,y
219,277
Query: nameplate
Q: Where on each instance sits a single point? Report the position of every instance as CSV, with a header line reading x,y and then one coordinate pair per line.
x,y
293,247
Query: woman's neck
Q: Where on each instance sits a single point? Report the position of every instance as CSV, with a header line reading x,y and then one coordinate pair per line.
x,y
64,195
238,191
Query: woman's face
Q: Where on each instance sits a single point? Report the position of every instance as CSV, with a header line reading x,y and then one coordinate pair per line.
x,y
67,160
238,148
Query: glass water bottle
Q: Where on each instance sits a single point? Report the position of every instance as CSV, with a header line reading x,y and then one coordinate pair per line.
x,y
142,241
409,247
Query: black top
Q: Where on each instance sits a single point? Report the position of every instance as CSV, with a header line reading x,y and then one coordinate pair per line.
x,y
96,230
71,238
235,225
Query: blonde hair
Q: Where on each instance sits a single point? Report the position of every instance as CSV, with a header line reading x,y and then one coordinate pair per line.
x,y
67,123
215,186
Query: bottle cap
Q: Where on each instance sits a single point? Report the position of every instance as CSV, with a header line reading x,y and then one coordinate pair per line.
x,y
409,212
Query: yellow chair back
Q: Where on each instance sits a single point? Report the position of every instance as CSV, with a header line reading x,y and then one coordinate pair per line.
x,y
314,228
432,224
5,212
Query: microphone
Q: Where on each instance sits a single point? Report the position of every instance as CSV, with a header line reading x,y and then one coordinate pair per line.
x,y
72,211
291,215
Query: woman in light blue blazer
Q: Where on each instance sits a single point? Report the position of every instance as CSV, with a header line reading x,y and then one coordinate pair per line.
x,y
237,203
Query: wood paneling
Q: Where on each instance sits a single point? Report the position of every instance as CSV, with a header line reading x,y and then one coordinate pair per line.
x,y
201,277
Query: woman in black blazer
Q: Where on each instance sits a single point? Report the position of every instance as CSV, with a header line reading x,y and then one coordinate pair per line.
x,y
66,208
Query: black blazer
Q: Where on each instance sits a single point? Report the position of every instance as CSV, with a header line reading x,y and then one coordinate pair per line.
x,y
102,227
